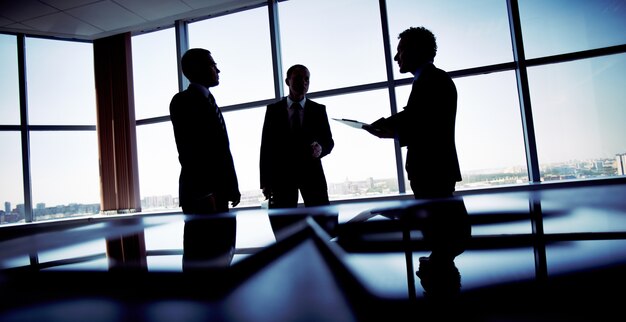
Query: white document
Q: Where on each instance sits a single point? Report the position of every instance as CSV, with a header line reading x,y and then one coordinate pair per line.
x,y
352,123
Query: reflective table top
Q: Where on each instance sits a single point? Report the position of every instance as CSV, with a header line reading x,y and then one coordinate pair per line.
x,y
541,254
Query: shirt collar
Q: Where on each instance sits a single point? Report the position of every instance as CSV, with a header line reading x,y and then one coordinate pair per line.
x,y
290,101
205,91
418,70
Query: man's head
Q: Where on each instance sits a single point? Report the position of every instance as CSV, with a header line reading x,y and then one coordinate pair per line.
x,y
417,46
199,67
298,81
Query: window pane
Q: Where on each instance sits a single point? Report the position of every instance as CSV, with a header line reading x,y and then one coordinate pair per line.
x,y
578,109
240,45
9,82
158,166
244,131
340,41
11,188
155,75
60,78
561,26
489,135
361,164
65,174
469,33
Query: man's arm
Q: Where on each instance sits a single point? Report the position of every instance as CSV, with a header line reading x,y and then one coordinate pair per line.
x,y
381,128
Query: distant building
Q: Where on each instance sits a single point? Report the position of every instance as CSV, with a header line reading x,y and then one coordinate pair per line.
x,y
620,161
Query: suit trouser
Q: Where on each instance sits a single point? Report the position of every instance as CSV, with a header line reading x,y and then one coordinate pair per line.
x,y
208,205
432,189
288,197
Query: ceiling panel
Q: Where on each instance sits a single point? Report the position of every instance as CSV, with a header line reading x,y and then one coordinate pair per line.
x,y
68,4
62,23
94,19
155,9
20,10
106,15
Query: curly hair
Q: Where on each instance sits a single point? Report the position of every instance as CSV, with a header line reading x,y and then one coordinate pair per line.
x,y
420,41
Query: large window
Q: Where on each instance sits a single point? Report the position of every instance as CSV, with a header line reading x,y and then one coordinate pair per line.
x,y
9,85
11,187
361,164
490,153
339,41
240,45
155,81
469,33
62,92
64,163
62,156
65,180
489,134
576,100
155,75
562,26
244,131
11,184
579,113
340,54
158,166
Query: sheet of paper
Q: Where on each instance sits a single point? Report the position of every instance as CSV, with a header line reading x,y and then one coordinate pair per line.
x,y
352,123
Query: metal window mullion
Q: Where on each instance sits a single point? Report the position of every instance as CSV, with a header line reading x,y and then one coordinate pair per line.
x,y
532,161
277,64
391,87
182,45
24,128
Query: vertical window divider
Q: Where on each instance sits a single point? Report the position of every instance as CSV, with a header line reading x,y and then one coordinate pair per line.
x,y
523,92
24,128
182,45
272,8
391,87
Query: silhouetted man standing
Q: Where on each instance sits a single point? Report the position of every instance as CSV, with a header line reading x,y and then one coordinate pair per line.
x,y
208,180
427,123
296,135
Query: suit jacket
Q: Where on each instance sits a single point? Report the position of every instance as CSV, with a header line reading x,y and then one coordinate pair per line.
x,y
203,148
286,161
426,127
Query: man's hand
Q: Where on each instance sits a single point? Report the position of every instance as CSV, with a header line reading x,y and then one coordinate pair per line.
x,y
267,193
317,149
235,201
379,132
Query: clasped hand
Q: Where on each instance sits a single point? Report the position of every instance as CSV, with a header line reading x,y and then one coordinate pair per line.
x,y
317,149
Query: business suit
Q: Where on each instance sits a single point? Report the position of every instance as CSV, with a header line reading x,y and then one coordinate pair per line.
x,y
286,162
207,176
426,126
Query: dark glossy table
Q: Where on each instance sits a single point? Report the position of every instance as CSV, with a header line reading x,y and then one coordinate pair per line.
x,y
552,254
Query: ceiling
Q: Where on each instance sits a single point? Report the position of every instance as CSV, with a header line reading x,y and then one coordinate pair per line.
x,y
94,19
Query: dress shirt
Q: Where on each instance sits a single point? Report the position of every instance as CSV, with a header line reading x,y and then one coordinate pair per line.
x,y
290,110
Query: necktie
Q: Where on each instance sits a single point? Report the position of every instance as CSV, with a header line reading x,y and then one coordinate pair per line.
x,y
296,125
217,111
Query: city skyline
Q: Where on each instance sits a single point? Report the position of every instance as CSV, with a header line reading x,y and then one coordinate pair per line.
x,y
519,176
